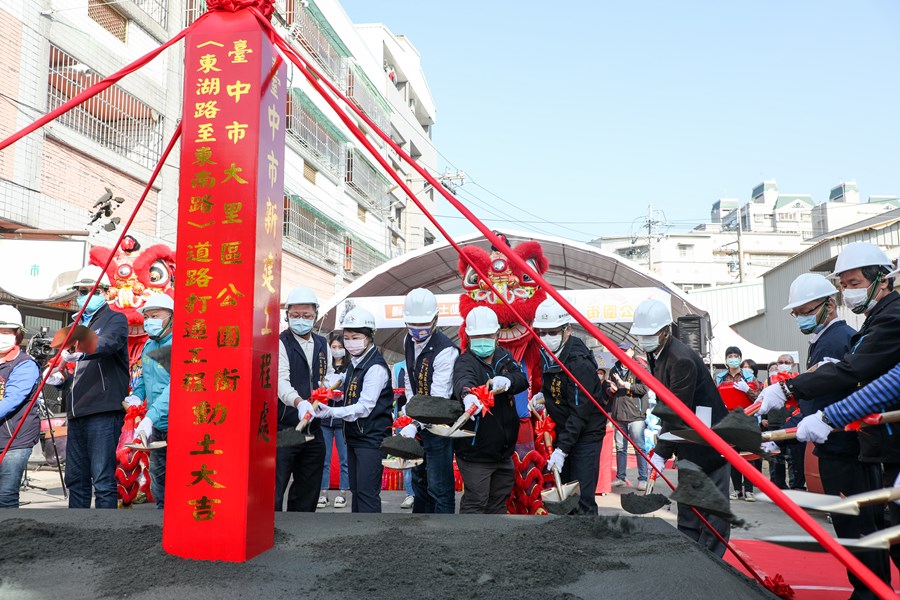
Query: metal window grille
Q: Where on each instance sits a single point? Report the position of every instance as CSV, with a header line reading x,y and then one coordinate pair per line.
x,y
192,10
359,91
302,228
114,118
363,258
109,18
365,180
286,9
315,40
303,126
157,10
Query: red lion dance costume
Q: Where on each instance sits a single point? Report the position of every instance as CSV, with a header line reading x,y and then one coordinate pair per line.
x,y
135,274
530,457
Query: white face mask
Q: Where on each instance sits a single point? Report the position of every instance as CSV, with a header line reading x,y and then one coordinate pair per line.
x,y
338,352
355,347
553,341
648,343
784,368
855,299
7,341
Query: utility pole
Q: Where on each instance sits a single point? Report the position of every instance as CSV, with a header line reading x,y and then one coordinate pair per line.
x,y
655,230
740,247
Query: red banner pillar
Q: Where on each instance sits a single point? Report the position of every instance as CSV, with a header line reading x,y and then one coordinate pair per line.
x,y
220,479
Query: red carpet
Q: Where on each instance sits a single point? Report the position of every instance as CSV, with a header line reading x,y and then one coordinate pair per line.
x,y
812,575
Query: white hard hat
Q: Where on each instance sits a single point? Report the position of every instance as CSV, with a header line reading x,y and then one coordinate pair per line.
x,y
481,321
420,306
358,318
550,315
10,317
858,255
809,287
159,300
88,276
649,317
301,295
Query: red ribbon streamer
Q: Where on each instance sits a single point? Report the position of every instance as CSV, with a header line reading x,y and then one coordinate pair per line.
x,y
484,396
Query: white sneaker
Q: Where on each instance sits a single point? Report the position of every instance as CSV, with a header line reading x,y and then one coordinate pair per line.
x,y
642,486
620,483
340,501
749,497
408,502
323,501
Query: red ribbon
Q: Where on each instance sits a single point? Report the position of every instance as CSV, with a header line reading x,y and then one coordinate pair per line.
x,y
266,7
484,396
779,587
545,425
401,422
873,419
323,394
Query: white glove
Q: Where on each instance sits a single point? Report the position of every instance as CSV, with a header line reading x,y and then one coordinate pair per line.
x,y
769,447
56,378
626,385
500,383
826,360
658,461
471,400
72,356
132,400
557,459
305,408
144,427
537,402
771,398
813,429
742,386
409,431
333,378
323,412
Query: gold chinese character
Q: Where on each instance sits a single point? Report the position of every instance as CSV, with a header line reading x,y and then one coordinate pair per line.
x,y
195,356
203,179
200,225
206,110
205,133
271,222
273,167
238,55
203,510
229,336
274,120
203,156
231,253
237,89
196,329
227,380
192,302
236,131
232,173
194,382
205,445
268,272
205,474
232,212
201,204
276,83
266,330
229,295
265,371
198,277
198,252
208,63
206,414
210,86
262,430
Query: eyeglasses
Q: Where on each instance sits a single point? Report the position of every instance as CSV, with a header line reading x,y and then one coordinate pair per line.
x,y
782,362
86,291
545,332
811,311
310,316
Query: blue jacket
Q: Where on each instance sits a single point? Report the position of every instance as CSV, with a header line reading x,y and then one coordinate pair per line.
x,y
18,381
152,384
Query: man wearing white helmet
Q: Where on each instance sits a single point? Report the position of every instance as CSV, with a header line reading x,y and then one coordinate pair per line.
x,y
152,385
368,397
303,362
430,356
93,396
681,369
485,461
580,426
811,301
19,377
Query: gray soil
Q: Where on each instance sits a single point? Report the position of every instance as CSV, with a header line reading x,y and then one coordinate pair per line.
x,y
640,504
287,438
697,490
117,554
407,448
664,413
434,410
740,430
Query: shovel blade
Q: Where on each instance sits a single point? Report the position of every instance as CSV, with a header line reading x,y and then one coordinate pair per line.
x,y
563,500
400,464
148,448
447,431
83,338
288,438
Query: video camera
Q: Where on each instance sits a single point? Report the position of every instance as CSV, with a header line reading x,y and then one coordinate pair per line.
x,y
39,347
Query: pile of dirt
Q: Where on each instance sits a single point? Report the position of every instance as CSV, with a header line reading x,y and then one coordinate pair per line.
x,y
408,448
434,410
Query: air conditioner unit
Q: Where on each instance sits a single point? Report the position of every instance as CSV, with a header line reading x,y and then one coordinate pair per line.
x,y
694,331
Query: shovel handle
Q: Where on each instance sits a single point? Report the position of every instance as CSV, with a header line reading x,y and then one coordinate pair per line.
x,y
557,480
548,441
307,417
780,434
753,408
462,419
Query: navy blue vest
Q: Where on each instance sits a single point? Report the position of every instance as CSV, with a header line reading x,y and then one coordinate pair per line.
x,y
421,374
368,432
288,415
31,429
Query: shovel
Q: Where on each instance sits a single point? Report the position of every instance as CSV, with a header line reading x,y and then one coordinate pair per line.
x,y
843,505
433,410
880,540
400,464
144,445
561,499
736,428
454,431
288,438
872,420
83,339
649,502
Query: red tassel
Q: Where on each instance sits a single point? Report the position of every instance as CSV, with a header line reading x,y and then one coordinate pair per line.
x,y
779,587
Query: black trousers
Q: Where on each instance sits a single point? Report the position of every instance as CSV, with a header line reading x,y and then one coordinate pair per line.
x,y
486,486
796,464
740,482
691,525
583,465
366,471
850,477
306,463
891,470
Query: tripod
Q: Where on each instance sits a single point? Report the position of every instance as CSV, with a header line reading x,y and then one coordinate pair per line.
x,y
44,413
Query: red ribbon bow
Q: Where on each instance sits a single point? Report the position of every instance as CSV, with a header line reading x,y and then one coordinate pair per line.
x,y
484,396
779,587
322,395
545,425
873,419
401,422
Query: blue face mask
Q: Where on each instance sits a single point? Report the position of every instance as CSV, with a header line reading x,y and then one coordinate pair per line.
x,y
482,347
747,374
301,326
732,363
96,301
154,328
419,334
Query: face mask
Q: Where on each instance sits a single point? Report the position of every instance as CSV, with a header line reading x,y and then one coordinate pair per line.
x,y
97,300
483,347
808,324
747,374
733,363
301,326
7,341
338,353
856,299
648,343
356,347
784,368
553,341
154,328
419,334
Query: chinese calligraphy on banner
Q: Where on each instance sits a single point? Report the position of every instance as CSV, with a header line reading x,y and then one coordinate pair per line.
x,y
221,455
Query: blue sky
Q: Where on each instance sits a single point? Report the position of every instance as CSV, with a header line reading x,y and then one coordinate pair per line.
x,y
580,114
